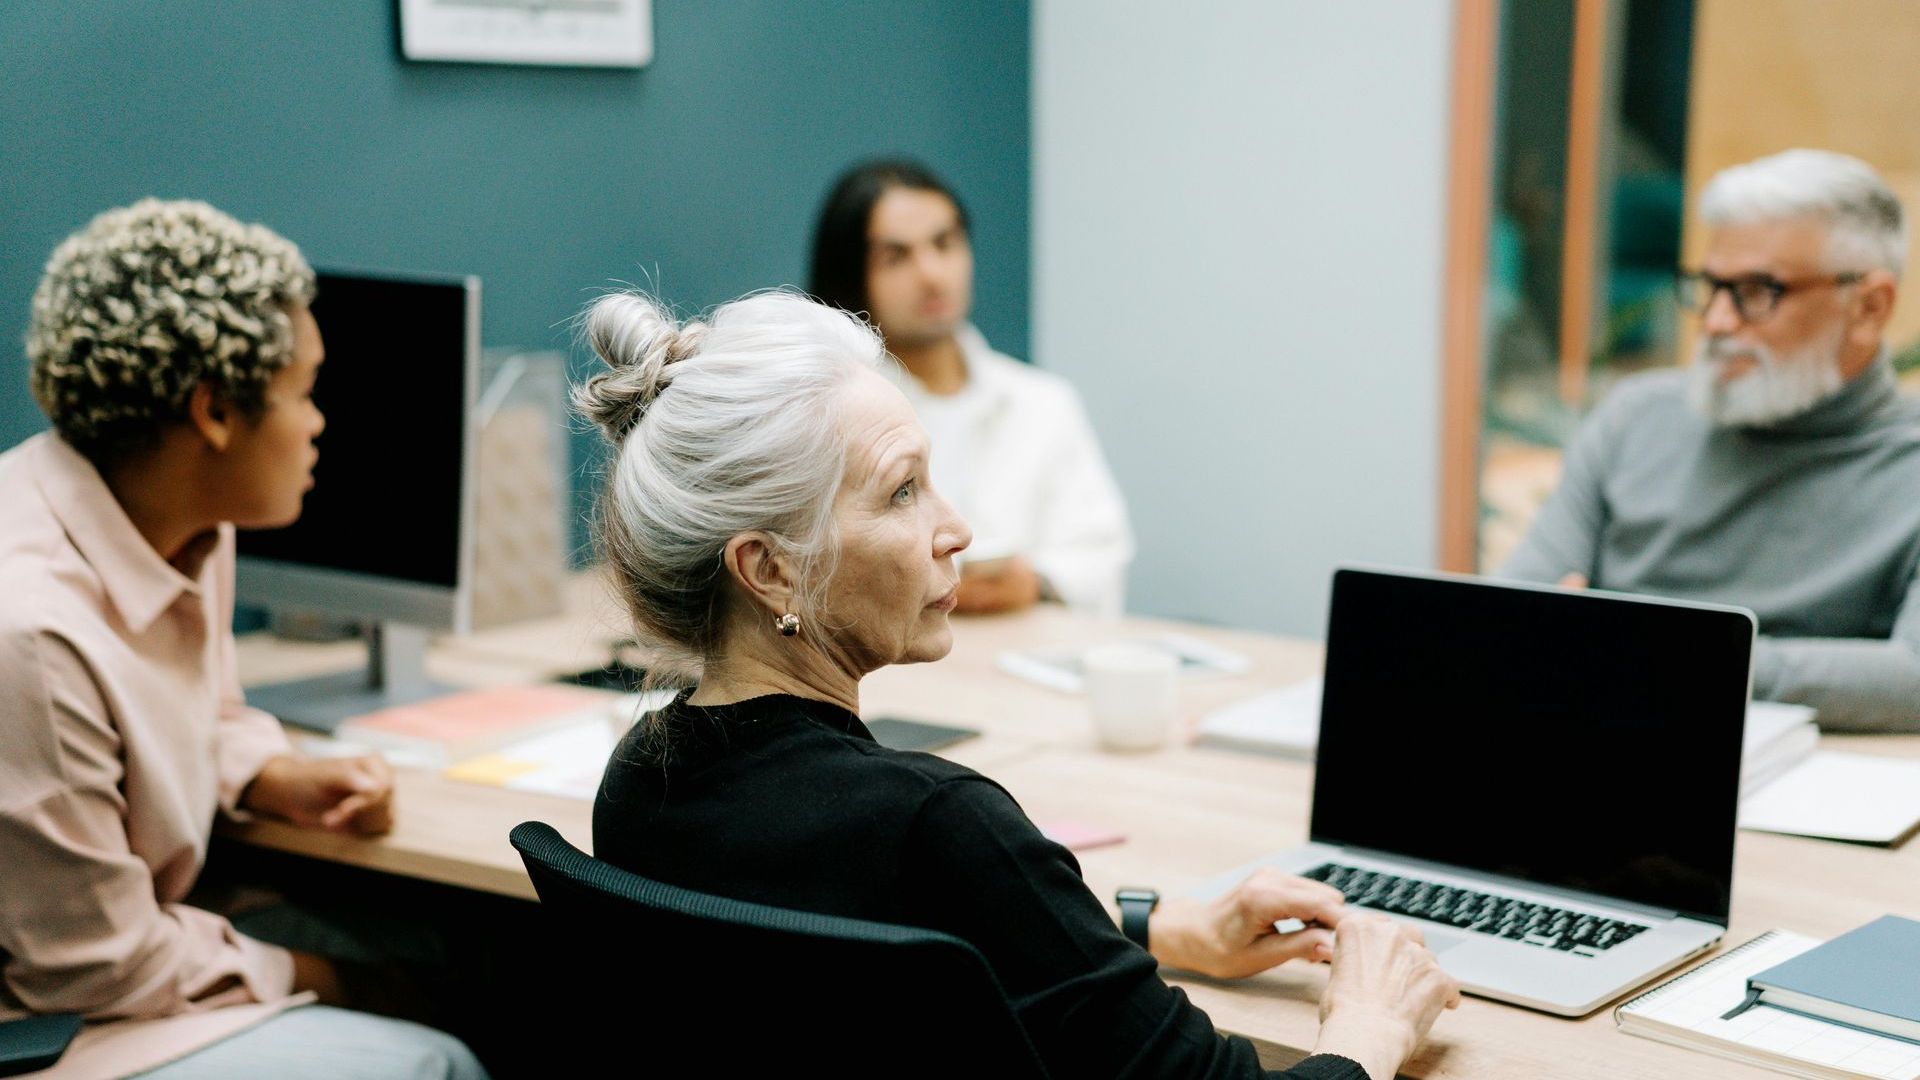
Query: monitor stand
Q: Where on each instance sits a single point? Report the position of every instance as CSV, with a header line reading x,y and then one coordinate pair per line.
x,y
396,674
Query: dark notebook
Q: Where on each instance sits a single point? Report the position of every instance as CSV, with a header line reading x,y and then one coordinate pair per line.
x,y
1867,978
896,734
35,1042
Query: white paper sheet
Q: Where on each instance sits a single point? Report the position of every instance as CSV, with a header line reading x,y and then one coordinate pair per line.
x,y
1840,796
1285,722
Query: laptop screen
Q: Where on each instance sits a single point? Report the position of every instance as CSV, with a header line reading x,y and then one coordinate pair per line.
x,y
1580,740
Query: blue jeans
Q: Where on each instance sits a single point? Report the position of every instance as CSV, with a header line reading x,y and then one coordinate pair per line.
x,y
315,1042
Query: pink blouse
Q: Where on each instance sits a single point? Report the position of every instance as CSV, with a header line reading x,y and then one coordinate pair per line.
x,y
122,732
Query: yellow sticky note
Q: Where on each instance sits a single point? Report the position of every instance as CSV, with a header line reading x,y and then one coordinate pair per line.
x,y
495,769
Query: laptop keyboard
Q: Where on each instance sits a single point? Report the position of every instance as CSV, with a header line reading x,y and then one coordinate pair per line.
x,y
1485,913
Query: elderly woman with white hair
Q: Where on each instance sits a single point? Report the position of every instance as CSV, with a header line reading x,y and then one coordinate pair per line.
x,y
1781,470
773,533
172,349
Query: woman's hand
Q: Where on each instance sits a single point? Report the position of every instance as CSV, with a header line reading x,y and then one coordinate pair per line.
x,y
1009,584
1384,994
333,793
1233,936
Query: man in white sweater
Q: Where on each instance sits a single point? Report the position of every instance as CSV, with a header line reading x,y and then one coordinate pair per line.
x,y
1012,446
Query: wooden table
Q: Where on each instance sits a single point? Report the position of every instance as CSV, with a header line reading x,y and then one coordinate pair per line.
x,y
1191,813
1188,813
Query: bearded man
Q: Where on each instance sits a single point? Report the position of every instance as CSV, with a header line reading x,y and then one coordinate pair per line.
x,y
1781,470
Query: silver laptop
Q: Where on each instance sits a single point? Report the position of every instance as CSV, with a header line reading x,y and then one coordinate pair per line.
x,y
1544,781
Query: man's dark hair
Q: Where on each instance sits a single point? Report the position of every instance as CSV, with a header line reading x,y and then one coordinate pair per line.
x,y
839,272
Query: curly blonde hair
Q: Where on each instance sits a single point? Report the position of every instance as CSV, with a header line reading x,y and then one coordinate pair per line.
x,y
147,302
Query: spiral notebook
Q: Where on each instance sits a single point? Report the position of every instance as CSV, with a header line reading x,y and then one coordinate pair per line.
x,y
1688,1012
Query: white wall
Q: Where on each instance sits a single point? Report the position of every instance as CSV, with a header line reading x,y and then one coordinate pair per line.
x,y
1238,224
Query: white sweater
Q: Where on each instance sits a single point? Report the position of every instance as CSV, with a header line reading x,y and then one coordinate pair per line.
x,y
1015,454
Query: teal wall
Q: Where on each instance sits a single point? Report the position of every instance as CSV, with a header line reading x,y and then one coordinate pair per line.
x,y
700,172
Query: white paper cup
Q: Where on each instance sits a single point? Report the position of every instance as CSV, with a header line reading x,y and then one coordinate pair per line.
x,y
1131,695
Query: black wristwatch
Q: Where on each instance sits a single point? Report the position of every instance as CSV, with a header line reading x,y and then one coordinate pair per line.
x,y
1136,907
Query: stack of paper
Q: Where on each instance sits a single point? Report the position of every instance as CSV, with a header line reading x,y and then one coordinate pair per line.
x,y
567,762
457,726
1779,736
566,759
1283,722
1063,669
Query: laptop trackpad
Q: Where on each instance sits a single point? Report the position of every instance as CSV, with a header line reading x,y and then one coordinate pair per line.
x,y
1439,941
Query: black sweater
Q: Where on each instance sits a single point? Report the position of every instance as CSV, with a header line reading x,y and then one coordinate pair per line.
x,y
790,802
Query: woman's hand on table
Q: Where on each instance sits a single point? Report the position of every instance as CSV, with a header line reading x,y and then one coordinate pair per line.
x,y
997,585
342,794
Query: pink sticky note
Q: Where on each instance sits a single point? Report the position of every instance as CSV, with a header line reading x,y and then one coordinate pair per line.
x,y
482,712
1079,836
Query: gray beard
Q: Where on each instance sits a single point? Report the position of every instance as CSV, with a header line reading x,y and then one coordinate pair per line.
x,y
1778,388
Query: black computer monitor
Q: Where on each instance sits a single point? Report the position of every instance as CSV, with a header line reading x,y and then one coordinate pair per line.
x,y
386,534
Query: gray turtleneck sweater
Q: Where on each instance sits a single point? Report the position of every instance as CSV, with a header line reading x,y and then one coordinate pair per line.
x,y
1812,522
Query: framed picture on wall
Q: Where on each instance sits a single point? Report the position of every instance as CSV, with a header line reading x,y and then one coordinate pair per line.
x,y
566,33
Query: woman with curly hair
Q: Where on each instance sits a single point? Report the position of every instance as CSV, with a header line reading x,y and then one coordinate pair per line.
x,y
172,349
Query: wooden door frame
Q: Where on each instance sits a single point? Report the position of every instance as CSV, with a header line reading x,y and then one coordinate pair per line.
x,y
1476,37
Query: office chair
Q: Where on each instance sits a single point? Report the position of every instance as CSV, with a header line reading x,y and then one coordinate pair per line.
x,y
650,973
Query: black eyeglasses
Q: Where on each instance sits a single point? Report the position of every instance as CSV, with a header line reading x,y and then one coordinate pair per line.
x,y
1754,296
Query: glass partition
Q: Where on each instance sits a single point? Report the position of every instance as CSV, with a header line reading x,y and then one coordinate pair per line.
x,y
1609,117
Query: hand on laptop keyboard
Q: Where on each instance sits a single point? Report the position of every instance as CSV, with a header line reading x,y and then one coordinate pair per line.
x,y
1233,936
1385,991
1485,913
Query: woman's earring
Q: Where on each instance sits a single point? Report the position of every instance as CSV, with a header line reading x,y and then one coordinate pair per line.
x,y
788,624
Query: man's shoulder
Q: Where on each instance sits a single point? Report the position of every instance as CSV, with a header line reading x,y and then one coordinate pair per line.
x,y
1003,367
1895,436
1645,402
1904,413
1043,396
1662,387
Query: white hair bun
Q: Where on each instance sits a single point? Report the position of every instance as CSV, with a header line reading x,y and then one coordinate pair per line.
x,y
640,341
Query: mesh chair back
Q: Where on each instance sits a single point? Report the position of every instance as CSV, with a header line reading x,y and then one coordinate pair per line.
x,y
644,968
